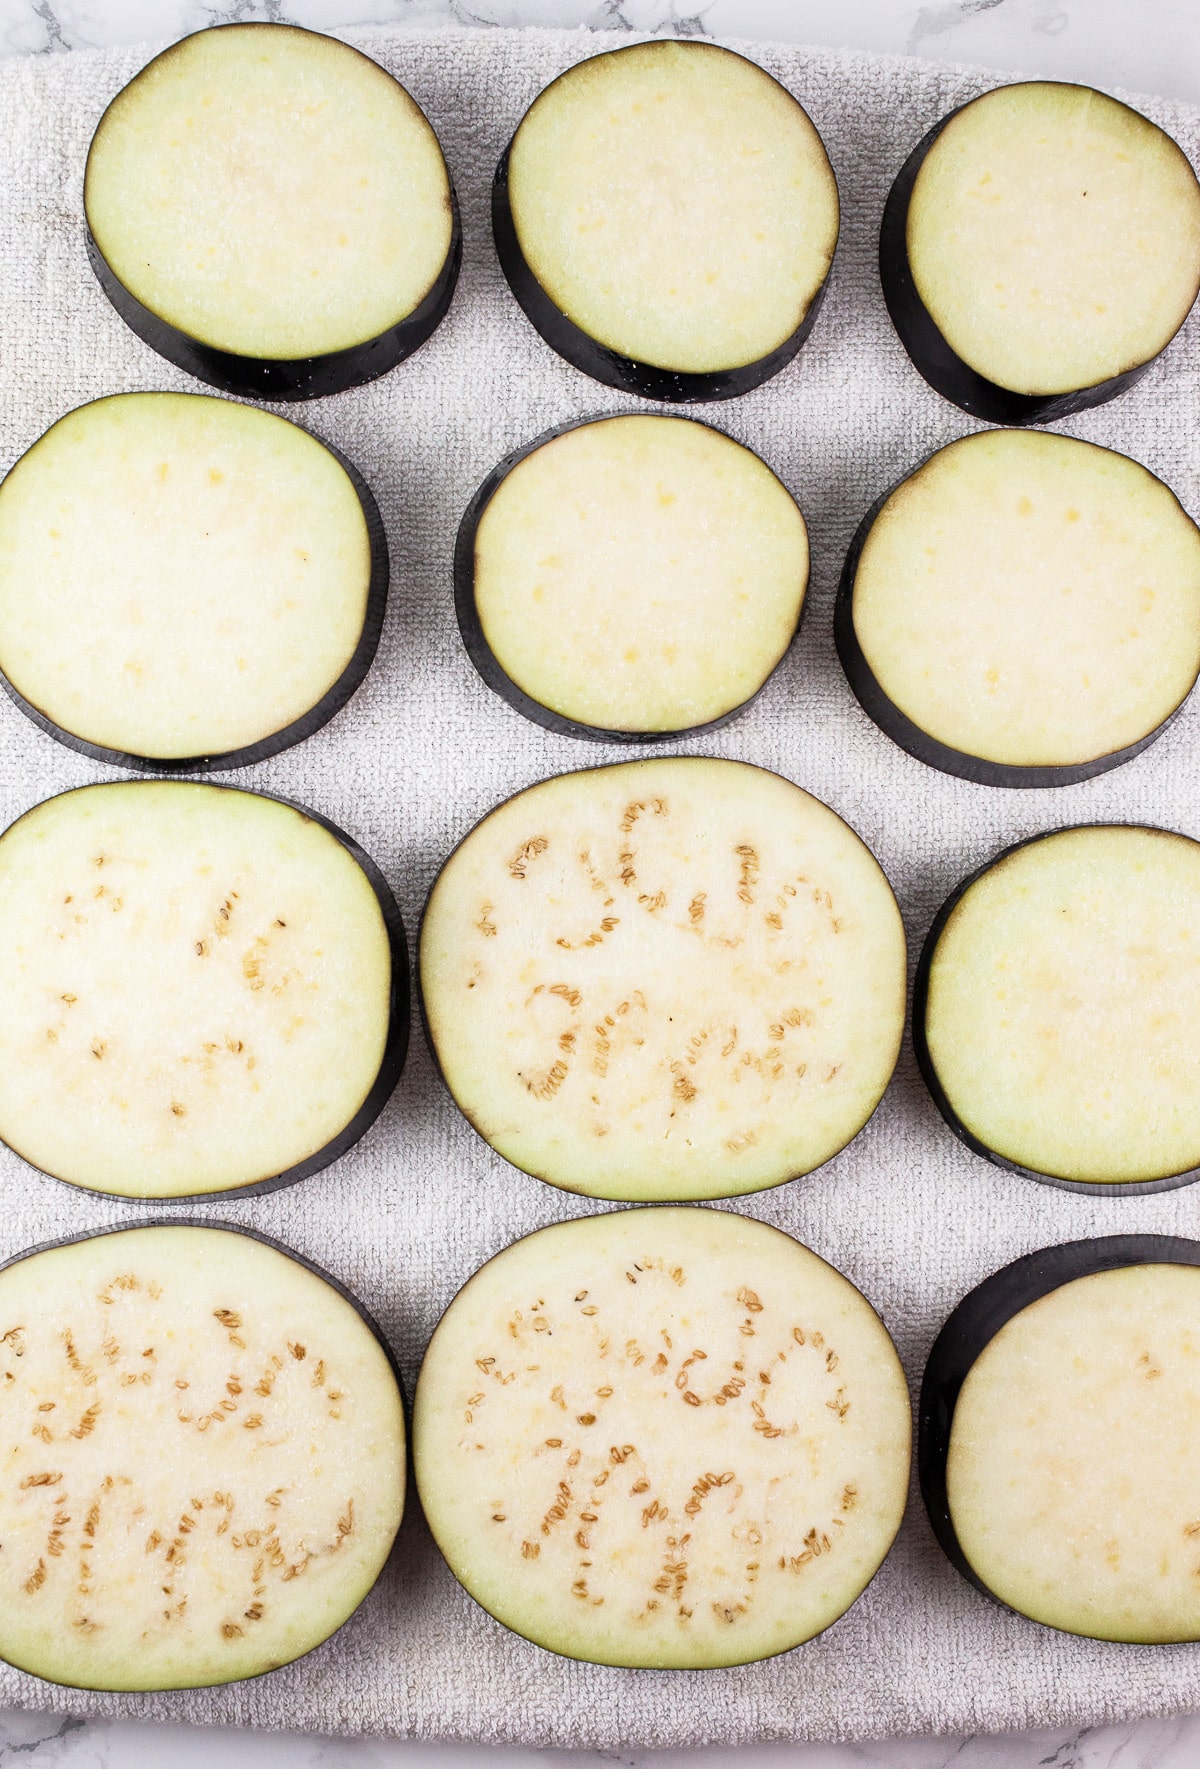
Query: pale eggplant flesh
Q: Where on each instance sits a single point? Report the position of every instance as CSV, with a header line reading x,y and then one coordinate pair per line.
x,y
670,979
204,991
1022,610
186,583
666,217
634,579
324,266
1005,251
668,1438
1055,1437
204,1462
1052,1009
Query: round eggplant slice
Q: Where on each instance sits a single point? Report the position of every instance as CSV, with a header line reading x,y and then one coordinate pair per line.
x,y
1056,1005
662,1438
679,978
631,578
1039,248
1023,610
186,582
1058,1437
201,990
666,215
269,210
203,1458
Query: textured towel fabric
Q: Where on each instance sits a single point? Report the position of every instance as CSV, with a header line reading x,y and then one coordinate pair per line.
x,y
424,749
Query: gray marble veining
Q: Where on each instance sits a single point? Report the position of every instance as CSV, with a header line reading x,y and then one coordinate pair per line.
x,y
1151,45
1148,45
52,1743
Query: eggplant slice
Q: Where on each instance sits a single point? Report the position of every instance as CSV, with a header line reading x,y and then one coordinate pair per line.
x,y
186,582
666,215
1057,1446
662,1438
1023,609
204,1457
269,210
630,578
1056,1004
201,990
680,978
1039,248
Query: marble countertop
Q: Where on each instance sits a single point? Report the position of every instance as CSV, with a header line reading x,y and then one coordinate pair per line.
x,y
1141,45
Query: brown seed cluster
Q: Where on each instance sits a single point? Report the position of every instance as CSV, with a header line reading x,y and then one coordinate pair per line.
x,y
576,1511
529,850
137,1365
781,1063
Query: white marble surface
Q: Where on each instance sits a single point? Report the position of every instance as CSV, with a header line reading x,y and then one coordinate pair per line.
x,y
1143,45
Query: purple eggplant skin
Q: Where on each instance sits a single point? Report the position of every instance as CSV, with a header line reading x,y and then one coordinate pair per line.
x,y
582,351
1135,1188
318,1271
484,658
391,1064
910,737
971,1327
306,377
932,356
331,702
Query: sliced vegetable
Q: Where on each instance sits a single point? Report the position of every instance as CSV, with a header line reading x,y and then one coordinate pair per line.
x,y
201,990
679,978
270,210
1023,610
1055,1004
666,215
1040,247
629,578
662,1437
203,1457
1057,1446
186,582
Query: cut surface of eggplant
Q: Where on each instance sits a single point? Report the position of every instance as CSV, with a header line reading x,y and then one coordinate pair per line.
x,y
680,978
1058,1425
631,576
1023,609
666,214
662,1438
1039,249
201,990
1055,1007
185,581
204,1458
269,209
